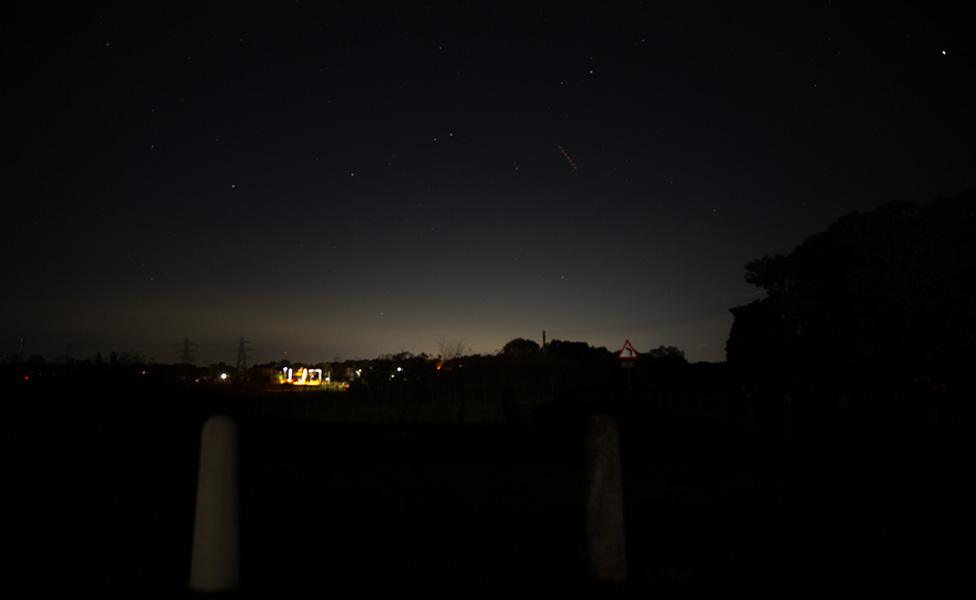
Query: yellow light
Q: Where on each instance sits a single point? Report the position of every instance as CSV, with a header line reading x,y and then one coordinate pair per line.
x,y
304,376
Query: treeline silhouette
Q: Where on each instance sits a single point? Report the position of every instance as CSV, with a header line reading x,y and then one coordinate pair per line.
x,y
870,321
880,297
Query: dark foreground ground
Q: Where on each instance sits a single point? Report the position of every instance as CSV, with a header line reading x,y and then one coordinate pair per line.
x,y
97,494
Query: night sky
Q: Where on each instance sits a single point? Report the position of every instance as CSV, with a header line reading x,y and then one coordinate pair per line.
x,y
327,181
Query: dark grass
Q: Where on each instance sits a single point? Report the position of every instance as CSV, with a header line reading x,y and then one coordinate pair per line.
x,y
97,495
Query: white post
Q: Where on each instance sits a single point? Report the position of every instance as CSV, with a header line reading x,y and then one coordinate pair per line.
x,y
606,547
215,559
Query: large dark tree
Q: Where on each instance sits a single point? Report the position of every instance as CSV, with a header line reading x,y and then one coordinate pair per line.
x,y
880,296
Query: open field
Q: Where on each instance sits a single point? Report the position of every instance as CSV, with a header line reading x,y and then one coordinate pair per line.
x,y
99,490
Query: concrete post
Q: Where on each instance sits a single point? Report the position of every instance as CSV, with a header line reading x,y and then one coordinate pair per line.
x,y
215,558
606,547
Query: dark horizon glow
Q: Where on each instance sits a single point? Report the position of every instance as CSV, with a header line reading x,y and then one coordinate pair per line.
x,y
329,184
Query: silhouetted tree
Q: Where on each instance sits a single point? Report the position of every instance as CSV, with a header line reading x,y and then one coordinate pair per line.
x,y
666,354
577,351
452,350
520,347
883,295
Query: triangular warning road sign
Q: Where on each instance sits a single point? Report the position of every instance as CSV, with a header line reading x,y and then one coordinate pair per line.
x,y
628,352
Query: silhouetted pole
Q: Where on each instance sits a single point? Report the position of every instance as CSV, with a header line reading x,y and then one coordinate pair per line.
x,y
606,548
215,558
